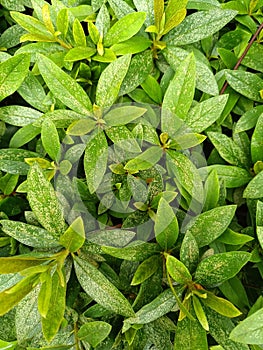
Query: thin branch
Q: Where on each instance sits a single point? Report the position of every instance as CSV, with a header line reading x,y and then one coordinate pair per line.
x,y
243,55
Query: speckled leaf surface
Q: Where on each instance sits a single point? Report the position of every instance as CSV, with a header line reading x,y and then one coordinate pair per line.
x,y
110,81
44,202
65,88
120,8
255,187
211,224
246,83
95,160
257,142
147,7
50,139
180,92
12,160
12,73
177,270
198,26
100,289
205,113
19,115
30,235
218,268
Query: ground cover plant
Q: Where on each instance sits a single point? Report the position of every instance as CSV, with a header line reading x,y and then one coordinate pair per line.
x,y
131,177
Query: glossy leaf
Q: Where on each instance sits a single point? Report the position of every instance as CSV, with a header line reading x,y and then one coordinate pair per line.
x,y
189,251
123,115
64,87
44,202
95,160
110,81
19,115
12,73
74,237
146,269
166,226
254,189
220,305
145,160
100,289
204,229
256,141
177,270
94,332
17,264
200,314
50,139
218,268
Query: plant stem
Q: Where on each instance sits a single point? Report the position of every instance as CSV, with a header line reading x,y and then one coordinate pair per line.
x,y
243,55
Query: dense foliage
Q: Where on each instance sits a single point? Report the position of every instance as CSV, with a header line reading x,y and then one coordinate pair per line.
x,y
131,174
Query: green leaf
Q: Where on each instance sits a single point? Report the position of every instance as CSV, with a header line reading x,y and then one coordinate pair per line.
x,y
153,89
211,224
189,251
220,328
140,67
62,21
246,83
256,141
125,28
199,25
74,237
94,332
179,95
220,305
200,314
79,34
32,25
145,160
234,238
123,115
177,270
79,53
44,202
12,160
158,13
19,115
146,269
95,160
81,127
65,88
160,306
173,6
50,139
190,335
100,289
231,175
18,263
254,189
110,81
212,190
44,295
120,8
12,73
174,21
136,251
24,135
205,113
166,226
30,235
133,45
253,57
218,268
249,119
185,141
8,299
228,149
123,138
55,314
8,183
250,330
94,33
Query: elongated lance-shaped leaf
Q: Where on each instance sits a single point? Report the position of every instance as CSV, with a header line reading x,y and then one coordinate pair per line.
x,y
18,263
74,236
100,288
179,94
65,88
177,270
94,332
44,202
12,73
110,81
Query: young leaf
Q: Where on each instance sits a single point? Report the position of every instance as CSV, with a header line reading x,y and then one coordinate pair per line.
x,y
100,289
125,28
12,73
50,139
212,190
200,314
24,135
95,160
56,308
110,81
74,237
44,202
166,226
62,21
79,34
180,93
199,25
204,229
123,115
8,299
94,332
146,269
145,160
250,330
220,305
158,13
218,268
30,235
177,270
18,263
79,53
254,189
65,88
174,21
44,295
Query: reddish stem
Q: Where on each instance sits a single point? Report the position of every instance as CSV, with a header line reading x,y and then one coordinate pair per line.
x,y
243,55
